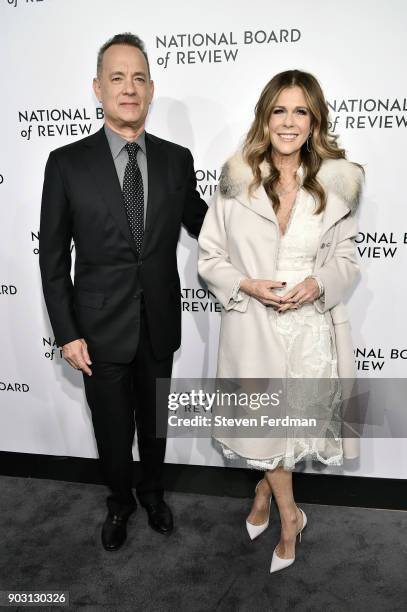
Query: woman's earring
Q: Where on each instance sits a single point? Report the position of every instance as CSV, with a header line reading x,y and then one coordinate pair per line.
x,y
308,147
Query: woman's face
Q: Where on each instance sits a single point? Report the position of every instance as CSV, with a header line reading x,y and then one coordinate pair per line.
x,y
290,122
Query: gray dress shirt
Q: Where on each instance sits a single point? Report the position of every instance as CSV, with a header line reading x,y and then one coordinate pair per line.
x,y
121,157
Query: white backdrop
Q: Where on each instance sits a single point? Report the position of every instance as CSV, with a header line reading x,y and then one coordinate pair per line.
x,y
205,94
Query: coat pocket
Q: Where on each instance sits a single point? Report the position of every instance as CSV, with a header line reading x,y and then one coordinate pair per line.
x,y
89,299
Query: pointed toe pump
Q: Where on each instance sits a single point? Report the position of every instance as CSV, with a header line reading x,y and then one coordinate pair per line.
x,y
277,563
255,530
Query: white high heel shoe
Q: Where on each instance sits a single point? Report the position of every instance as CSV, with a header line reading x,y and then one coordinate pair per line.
x,y
255,530
276,562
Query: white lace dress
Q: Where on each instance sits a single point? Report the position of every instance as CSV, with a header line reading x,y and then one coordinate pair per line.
x,y
309,352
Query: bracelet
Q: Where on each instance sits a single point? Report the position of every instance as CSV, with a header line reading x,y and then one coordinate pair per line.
x,y
320,285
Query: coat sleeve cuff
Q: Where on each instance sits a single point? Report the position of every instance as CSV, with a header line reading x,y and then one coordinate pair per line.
x,y
238,300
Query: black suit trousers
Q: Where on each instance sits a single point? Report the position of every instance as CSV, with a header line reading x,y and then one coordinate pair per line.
x,y
122,396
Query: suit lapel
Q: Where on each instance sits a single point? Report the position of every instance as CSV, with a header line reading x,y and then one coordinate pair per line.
x,y
335,210
103,170
157,167
258,203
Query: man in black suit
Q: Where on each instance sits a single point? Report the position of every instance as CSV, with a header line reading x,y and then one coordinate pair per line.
x,y
121,195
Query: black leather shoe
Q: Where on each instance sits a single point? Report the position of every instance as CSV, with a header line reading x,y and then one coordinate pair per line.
x,y
159,517
114,531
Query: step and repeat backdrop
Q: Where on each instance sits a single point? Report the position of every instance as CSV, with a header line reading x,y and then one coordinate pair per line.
x,y
209,61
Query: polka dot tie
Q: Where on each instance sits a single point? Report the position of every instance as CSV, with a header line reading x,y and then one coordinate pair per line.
x,y
133,194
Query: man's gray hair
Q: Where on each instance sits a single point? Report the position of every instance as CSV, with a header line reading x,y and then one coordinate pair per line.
x,y
127,38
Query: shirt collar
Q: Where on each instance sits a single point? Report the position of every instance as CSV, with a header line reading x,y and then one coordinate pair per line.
x,y
117,142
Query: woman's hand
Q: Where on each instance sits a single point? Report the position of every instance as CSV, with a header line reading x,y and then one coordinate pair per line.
x,y
262,290
306,291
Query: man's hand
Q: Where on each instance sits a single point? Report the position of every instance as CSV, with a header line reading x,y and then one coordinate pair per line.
x,y
306,291
262,290
76,354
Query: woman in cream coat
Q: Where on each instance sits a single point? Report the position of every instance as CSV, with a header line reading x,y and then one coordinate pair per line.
x,y
277,250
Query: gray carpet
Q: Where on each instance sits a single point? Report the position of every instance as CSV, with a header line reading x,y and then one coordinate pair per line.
x,y
350,559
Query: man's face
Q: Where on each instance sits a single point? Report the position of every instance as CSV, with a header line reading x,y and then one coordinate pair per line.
x,y
124,87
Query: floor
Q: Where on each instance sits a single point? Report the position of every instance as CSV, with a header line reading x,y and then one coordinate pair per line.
x,y
350,559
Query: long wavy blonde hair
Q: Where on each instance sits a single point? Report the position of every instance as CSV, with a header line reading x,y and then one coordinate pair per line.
x,y
322,144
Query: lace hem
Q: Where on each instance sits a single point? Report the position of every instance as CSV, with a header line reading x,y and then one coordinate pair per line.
x,y
288,462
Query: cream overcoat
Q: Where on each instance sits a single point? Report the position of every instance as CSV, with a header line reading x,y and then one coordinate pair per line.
x,y
240,238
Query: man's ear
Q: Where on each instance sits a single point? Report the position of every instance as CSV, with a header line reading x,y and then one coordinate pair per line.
x,y
151,90
96,88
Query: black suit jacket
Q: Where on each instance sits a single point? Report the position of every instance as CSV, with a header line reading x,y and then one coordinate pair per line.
x,y
82,199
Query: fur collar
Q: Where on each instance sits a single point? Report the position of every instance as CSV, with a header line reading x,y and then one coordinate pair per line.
x,y
342,177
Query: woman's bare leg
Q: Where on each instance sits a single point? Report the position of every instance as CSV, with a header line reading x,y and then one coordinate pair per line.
x,y
281,482
261,504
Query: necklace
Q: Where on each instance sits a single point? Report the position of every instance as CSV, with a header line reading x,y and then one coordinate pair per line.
x,y
284,193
